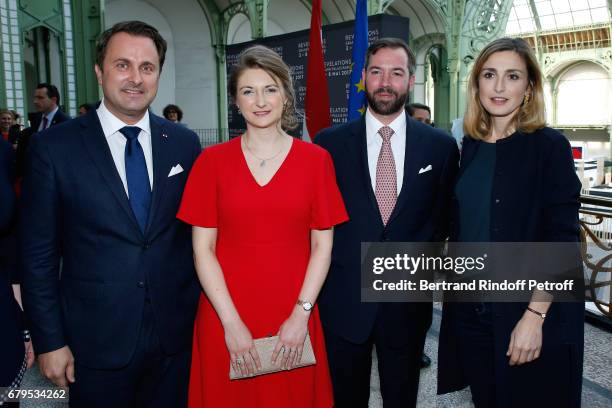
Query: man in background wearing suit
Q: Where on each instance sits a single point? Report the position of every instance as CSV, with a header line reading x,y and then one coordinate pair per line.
x,y
48,113
396,177
101,192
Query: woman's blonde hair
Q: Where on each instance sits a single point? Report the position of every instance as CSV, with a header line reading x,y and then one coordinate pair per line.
x,y
531,114
264,58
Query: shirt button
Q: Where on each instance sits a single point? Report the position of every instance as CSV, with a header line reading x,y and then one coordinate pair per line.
x,y
141,284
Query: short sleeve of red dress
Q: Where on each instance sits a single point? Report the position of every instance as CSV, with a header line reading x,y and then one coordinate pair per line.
x,y
328,207
199,203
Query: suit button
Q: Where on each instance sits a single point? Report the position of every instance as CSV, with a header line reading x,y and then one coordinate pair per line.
x,y
141,284
146,246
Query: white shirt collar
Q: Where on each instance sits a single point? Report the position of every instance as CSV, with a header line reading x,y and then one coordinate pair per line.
x,y
373,125
111,124
51,114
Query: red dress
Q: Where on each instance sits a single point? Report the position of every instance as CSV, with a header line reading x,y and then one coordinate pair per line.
x,y
263,247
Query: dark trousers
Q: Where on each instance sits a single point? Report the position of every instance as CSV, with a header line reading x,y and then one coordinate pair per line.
x,y
398,366
474,329
151,379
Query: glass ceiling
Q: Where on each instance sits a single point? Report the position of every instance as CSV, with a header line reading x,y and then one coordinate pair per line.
x,y
555,14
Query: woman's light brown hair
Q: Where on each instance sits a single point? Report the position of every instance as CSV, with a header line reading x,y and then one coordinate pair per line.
x,y
264,58
531,114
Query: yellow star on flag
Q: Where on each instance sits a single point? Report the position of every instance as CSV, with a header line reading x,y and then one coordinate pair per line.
x,y
362,110
360,86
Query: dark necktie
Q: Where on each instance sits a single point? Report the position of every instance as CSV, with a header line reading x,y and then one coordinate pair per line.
x,y
45,122
139,188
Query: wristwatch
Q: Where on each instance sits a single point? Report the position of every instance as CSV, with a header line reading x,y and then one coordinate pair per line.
x,y
307,306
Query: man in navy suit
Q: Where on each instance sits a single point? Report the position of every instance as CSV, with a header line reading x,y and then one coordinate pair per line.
x,y
48,113
396,177
100,194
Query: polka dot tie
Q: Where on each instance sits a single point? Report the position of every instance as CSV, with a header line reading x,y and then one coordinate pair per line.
x,y
386,177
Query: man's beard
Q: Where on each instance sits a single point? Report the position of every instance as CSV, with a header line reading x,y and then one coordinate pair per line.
x,y
386,107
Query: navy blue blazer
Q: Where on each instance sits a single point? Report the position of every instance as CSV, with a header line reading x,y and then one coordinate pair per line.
x,y
534,198
75,210
420,215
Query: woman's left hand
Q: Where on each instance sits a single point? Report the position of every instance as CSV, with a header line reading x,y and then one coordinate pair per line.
x,y
291,337
525,340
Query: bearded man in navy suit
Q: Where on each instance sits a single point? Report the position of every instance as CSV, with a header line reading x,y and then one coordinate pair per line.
x,y
100,195
396,176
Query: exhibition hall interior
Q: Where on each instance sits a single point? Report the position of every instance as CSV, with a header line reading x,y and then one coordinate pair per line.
x,y
53,41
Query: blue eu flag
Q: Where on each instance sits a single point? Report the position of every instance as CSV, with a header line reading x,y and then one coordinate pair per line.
x,y
357,99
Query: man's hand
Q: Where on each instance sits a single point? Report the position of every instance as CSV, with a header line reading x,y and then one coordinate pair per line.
x,y
58,366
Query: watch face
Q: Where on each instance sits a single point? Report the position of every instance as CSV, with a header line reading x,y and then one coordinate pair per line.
x,y
307,306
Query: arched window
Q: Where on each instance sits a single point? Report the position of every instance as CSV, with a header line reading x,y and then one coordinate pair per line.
x,y
583,96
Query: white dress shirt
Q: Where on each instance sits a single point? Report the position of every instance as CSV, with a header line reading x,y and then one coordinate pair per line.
x,y
49,117
374,144
116,141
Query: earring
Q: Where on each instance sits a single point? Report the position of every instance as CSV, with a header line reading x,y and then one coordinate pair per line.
x,y
527,99
239,111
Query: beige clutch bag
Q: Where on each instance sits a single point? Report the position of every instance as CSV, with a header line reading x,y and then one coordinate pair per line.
x,y
265,347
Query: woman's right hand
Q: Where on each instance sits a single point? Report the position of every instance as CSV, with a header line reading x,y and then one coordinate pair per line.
x,y
243,354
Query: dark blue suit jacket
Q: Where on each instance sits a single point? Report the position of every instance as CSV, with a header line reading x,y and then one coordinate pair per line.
x,y
420,215
534,198
75,210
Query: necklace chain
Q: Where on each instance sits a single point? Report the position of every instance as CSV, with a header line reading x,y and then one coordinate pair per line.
x,y
262,161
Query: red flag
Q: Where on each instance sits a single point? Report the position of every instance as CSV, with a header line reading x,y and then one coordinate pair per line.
x,y
317,95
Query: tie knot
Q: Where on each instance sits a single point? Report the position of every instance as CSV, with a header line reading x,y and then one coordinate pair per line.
x,y
130,132
385,132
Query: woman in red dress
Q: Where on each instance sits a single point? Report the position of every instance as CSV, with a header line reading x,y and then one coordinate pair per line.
x,y
263,206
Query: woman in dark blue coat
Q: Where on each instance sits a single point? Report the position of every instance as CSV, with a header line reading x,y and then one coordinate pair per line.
x,y
516,184
14,356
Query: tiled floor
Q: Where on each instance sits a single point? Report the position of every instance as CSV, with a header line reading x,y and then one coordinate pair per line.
x,y
596,390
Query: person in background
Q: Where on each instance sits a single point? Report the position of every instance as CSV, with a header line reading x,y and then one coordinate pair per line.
x,y
7,120
516,183
173,113
420,112
85,107
47,102
457,132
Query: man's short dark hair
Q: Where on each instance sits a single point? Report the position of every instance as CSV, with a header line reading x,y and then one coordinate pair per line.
x,y
137,29
393,43
175,108
87,106
52,91
412,106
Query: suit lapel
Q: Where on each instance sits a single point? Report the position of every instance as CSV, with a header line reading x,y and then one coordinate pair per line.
x,y
95,142
357,146
161,165
411,163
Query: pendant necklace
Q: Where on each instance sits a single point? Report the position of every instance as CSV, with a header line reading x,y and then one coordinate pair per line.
x,y
262,161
